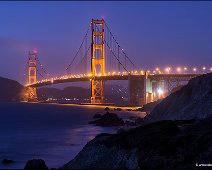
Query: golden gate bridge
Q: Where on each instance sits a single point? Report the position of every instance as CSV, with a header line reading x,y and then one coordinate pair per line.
x,y
101,58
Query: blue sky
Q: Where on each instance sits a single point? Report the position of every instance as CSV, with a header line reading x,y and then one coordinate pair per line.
x,y
153,34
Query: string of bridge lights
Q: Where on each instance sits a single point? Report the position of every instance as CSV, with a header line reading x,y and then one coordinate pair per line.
x,y
168,70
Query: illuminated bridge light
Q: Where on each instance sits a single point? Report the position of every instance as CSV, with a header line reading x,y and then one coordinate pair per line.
x,y
204,68
167,69
194,69
178,69
211,69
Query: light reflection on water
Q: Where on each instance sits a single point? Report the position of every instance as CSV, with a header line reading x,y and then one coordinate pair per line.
x,y
50,132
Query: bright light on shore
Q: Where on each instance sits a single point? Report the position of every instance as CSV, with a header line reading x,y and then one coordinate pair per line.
x,y
160,92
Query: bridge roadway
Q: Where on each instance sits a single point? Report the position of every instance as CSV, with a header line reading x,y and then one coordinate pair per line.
x,y
80,78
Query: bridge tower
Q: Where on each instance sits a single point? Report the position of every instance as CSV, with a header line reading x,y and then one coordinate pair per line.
x,y
32,75
97,61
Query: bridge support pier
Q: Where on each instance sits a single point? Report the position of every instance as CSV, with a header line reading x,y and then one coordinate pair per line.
x,y
149,91
32,94
137,90
140,90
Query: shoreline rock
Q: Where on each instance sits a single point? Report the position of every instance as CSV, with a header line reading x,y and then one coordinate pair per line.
x,y
108,119
192,101
176,135
35,164
165,144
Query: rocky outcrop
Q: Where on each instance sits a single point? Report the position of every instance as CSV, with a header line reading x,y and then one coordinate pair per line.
x,y
108,119
35,164
167,144
192,101
149,106
97,116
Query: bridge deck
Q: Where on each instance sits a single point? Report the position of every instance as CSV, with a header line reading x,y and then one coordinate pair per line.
x,y
155,77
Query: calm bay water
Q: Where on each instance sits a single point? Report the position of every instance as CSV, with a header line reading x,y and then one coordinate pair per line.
x,y
55,133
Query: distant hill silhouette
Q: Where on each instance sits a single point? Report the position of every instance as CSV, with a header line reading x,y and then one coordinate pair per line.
x,y
68,92
9,89
113,93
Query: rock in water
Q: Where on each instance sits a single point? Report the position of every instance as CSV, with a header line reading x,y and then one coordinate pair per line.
x,y
97,116
107,108
108,119
36,164
7,161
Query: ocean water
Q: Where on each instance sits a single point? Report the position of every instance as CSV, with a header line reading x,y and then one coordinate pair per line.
x,y
55,133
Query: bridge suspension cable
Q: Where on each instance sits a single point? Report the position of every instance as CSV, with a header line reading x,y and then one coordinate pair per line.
x,y
42,67
23,81
84,59
116,48
84,41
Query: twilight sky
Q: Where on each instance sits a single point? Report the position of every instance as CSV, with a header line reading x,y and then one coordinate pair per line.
x,y
153,34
